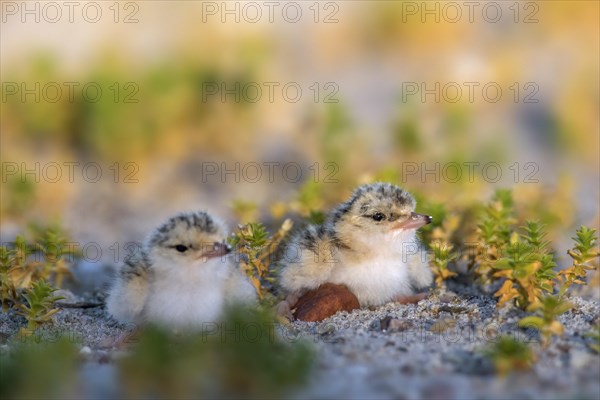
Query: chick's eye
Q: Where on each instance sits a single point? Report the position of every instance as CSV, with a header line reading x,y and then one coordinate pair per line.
x,y
181,248
378,216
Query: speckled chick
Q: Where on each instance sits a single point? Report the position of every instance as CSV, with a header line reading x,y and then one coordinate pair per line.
x,y
367,243
181,278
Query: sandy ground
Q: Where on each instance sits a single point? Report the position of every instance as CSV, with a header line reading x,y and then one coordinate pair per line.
x,y
432,349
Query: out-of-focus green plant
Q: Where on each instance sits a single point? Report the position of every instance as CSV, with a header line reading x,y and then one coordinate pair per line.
x,y
240,357
545,319
316,217
8,286
528,268
510,355
39,307
310,202
245,211
440,224
595,335
583,254
442,256
257,249
47,255
389,174
47,370
534,236
518,267
494,232
57,251
17,196
19,273
278,209
407,136
26,270
337,131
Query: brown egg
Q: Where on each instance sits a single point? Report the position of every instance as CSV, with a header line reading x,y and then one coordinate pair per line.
x,y
323,302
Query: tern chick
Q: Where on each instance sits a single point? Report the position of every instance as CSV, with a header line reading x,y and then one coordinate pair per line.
x,y
182,276
367,243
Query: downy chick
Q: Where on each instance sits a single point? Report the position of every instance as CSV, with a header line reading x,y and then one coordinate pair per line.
x,y
182,276
367,243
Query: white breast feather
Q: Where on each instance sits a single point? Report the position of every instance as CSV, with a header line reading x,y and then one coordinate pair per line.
x,y
382,277
189,295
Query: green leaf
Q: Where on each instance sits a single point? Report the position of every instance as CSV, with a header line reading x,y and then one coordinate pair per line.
x,y
503,263
531,321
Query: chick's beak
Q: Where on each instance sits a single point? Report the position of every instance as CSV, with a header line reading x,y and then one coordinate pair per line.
x,y
218,249
415,221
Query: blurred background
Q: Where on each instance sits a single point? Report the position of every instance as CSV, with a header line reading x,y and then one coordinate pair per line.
x,y
116,115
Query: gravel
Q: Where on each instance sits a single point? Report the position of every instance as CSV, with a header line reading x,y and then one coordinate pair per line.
x,y
432,349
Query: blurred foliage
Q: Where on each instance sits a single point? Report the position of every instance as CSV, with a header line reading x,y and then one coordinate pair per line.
x,y
241,357
595,336
545,319
407,136
46,370
245,211
510,355
438,213
336,132
257,250
155,105
494,229
22,195
442,256
90,127
310,201
440,242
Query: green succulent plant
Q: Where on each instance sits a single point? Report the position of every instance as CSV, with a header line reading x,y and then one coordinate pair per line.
x,y
257,249
528,268
584,253
39,307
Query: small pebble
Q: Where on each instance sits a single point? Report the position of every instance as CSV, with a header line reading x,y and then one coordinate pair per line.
x,y
398,325
447,297
326,329
442,325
